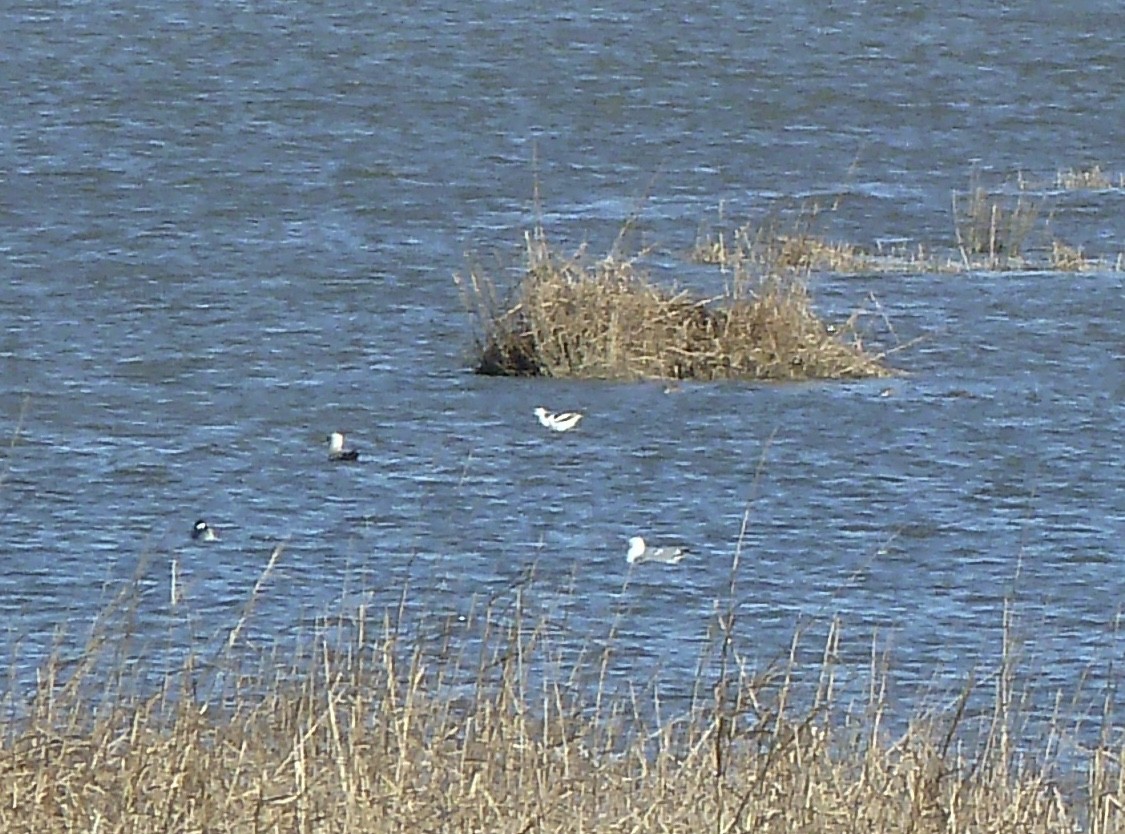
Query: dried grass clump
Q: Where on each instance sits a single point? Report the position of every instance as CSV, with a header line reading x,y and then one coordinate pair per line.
x,y
1001,227
608,320
807,252
767,250
1067,258
1088,179
995,226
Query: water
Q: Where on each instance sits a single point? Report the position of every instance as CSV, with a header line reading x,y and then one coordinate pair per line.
x,y
231,228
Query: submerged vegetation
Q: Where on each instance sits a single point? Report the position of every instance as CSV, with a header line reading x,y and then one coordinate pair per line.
x,y
1004,226
994,226
1089,179
574,316
486,723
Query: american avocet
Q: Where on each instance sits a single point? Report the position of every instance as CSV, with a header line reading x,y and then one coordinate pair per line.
x,y
201,531
563,421
640,552
336,450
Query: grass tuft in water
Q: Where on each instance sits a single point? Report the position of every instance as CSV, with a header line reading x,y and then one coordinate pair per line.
x,y
1088,179
993,225
573,317
1002,226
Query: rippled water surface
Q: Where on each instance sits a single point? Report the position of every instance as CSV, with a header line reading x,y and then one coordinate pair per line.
x,y
228,229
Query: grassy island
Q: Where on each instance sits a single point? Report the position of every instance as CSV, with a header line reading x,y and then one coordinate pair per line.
x,y
570,317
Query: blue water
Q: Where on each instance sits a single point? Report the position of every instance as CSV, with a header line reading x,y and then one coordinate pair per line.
x,y
229,229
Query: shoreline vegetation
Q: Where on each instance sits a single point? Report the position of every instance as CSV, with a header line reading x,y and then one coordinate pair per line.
x,y
486,722
578,317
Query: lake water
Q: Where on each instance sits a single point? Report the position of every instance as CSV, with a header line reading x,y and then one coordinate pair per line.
x,y
230,228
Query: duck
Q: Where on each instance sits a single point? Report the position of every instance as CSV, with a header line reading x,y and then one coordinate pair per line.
x,y
336,450
640,552
201,531
563,421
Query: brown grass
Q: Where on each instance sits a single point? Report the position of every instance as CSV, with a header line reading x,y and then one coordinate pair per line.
x,y
767,249
995,226
607,319
1000,227
481,726
1088,179
1067,258
577,317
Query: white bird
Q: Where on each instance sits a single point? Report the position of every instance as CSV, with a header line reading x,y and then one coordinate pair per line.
x,y
336,450
640,552
563,421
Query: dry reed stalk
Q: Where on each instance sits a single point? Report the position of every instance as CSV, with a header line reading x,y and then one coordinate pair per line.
x,y
765,250
993,225
1066,258
1093,179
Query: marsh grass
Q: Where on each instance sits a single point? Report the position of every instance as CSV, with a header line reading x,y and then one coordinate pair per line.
x,y
1000,226
481,725
994,226
1088,179
577,317
1067,258
775,247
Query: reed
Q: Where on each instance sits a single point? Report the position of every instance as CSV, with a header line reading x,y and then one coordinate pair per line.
x,y
482,725
606,319
1088,179
1067,258
771,248
993,225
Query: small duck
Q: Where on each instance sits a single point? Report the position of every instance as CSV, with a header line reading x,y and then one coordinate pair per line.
x,y
336,450
201,531
563,421
640,552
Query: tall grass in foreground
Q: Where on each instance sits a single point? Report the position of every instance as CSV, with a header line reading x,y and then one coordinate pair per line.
x,y
484,726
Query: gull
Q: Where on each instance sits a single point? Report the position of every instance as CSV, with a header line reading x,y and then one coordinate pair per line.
x,y
336,450
201,531
563,421
640,552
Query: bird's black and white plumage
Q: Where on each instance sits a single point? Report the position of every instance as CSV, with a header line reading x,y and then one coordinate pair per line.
x,y
563,421
336,450
201,531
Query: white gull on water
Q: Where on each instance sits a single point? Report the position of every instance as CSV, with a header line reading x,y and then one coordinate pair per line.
x,y
563,421
640,552
336,450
